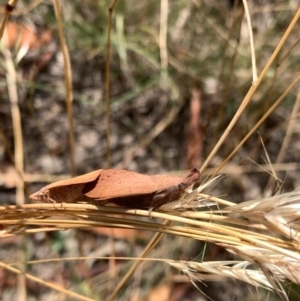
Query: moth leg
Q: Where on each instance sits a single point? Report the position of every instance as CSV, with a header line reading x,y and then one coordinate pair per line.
x,y
48,198
98,203
149,211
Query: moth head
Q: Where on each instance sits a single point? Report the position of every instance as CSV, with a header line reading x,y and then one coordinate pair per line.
x,y
40,196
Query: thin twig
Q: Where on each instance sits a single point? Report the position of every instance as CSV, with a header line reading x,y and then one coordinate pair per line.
x,y
166,121
8,10
11,77
163,37
112,262
228,82
251,91
229,169
68,84
45,283
247,13
288,135
107,83
262,119
152,243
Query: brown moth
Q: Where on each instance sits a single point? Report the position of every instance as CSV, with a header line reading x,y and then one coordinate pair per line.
x,y
121,187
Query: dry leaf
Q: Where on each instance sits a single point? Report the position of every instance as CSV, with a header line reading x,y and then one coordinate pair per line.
x,y
121,187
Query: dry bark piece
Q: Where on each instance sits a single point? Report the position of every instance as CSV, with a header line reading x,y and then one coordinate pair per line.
x,y
121,187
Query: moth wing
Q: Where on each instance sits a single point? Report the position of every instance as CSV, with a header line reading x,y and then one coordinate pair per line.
x,y
165,181
114,183
85,178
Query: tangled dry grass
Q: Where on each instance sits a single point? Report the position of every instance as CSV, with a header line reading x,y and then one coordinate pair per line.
x,y
263,234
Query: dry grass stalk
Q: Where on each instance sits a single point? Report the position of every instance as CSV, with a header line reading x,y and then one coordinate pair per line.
x,y
249,96
267,239
68,83
11,78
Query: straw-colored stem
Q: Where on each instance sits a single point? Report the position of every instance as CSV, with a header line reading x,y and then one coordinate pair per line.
x,y
288,135
68,84
148,138
251,41
250,93
11,78
107,82
8,10
44,283
163,37
153,242
263,118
